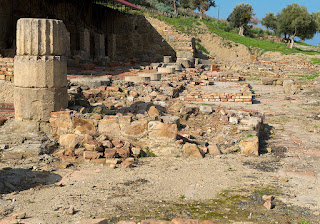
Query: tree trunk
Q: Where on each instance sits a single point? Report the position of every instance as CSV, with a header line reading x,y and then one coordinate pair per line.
x,y
175,7
292,38
292,41
201,14
241,30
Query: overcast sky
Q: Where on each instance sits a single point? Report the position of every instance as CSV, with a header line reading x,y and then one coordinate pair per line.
x,y
261,7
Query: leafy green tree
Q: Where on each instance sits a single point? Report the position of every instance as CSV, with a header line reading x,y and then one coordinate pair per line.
x,y
241,16
270,21
201,5
296,21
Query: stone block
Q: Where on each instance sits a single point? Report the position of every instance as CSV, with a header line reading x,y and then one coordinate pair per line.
x,y
168,70
37,103
152,76
288,86
137,79
136,129
250,146
167,59
41,37
109,126
169,119
186,63
192,151
268,81
159,130
205,109
185,54
40,71
92,83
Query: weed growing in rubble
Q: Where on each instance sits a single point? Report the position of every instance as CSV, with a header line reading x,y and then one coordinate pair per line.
x,y
147,153
304,222
231,169
182,196
249,136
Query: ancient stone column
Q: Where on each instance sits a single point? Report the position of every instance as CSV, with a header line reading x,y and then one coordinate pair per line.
x,y
100,49
85,43
40,69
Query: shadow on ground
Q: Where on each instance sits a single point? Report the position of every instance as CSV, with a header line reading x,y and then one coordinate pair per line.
x,y
23,179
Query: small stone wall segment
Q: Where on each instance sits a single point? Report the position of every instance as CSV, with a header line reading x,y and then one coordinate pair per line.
x,y
6,69
182,43
40,69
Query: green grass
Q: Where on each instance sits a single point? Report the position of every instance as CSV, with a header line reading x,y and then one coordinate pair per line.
x,y
310,76
147,153
253,43
202,48
315,61
185,24
304,44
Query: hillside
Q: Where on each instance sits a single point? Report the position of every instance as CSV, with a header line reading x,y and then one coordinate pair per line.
x,y
212,38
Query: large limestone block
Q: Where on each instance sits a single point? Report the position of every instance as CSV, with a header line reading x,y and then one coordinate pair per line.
x,y
40,71
159,130
36,104
153,76
136,79
250,146
192,151
41,37
109,126
136,129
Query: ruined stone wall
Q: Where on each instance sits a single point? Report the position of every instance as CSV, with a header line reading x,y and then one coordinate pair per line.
x,y
121,37
137,39
183,44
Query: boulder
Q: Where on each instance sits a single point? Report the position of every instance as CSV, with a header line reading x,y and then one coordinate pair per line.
x,y
205,109
159,130
250,146
192,151
136,128
70,140
109,126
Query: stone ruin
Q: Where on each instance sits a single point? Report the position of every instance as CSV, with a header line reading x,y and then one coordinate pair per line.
x,y
40,68
113,121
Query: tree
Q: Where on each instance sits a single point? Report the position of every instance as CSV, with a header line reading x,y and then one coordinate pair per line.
x,y
201,5
270,21
241,16
296,21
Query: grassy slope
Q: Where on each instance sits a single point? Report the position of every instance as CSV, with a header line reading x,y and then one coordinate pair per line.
x,y
187,24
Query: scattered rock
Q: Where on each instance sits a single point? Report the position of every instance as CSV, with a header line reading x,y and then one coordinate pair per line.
x,y
192,151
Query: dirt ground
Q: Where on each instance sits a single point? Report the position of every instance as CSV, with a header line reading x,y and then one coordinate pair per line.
x,y
226,188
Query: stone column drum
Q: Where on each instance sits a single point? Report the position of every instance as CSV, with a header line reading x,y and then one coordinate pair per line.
x,y
40,69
